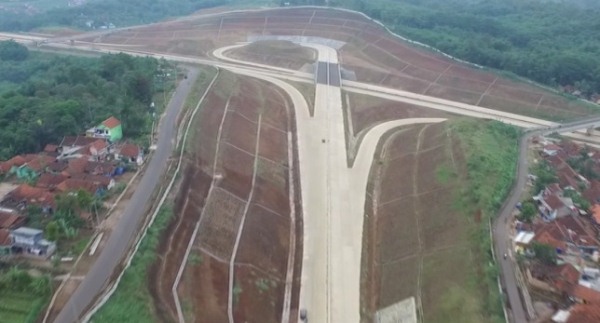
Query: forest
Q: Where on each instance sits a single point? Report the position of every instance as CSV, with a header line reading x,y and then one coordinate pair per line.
x,y
104,12
44,97
552,42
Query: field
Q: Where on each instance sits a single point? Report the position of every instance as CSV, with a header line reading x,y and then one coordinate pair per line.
x,y
20,306
367,51
419,242
237,187
276,53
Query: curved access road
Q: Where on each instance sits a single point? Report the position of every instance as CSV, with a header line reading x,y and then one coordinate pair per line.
x,y
333,194
123,235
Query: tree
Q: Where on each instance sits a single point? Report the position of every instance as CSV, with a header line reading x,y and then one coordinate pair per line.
x,y
544,253
10,50
528,212
52,231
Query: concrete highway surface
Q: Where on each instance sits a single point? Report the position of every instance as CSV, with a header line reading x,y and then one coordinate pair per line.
x,y
120,240
333,193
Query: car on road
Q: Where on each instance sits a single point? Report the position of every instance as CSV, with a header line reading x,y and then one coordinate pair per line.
x,y
304,315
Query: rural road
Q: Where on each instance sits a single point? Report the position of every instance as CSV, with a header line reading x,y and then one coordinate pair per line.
x,y
502,237
122,237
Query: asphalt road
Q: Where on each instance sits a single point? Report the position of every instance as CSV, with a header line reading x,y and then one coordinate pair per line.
x,y
502,239
122,237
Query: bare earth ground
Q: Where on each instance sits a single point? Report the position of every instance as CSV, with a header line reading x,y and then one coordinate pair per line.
x,y
276,53
251,110
374,55
416,242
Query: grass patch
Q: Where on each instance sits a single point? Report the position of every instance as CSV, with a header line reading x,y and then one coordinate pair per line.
x,y
132,302
22,299
444,174
491,150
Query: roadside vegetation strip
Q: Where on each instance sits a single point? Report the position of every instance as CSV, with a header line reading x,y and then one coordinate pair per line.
x,y
139,273
492,150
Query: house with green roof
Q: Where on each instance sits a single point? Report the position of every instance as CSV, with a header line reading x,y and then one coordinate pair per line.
x,y
110,129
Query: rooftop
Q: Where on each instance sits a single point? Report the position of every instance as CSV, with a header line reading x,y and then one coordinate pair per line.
x,y
5,239
111,122
25,231
130,150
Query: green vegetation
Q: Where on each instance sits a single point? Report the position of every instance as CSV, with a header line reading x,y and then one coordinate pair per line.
x,y
544,253
95,14
44,97
552,43
132,302
444,173
545,175
528,211
491,149
22,297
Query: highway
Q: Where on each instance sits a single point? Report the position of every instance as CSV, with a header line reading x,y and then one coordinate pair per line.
x,y
120,240
332,192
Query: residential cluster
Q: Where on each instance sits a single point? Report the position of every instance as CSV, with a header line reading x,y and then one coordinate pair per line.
x,y
91,162
558,243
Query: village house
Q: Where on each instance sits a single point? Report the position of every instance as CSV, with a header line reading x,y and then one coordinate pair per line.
x,y
24,195
109,129
73,185
578,313
552,204
567,176
101,169
568,235
31,242
592,192
50,181
551,149
9,219
131,153
34,167
5,243
52,150
10,165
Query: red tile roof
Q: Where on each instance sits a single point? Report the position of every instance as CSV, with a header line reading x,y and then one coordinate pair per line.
x,y
111,122
551,235
130,150
99,168
584,313
586,294
79,141
48,180
554,202
96,179
98,145
5,239
31,194
15,161
50,148
554,188
596,213
40,162
73,184
10,220
564,277
573,228
77,165
592,193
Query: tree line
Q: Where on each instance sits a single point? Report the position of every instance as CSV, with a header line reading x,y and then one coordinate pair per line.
x,y
101,13
44,97
552,42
